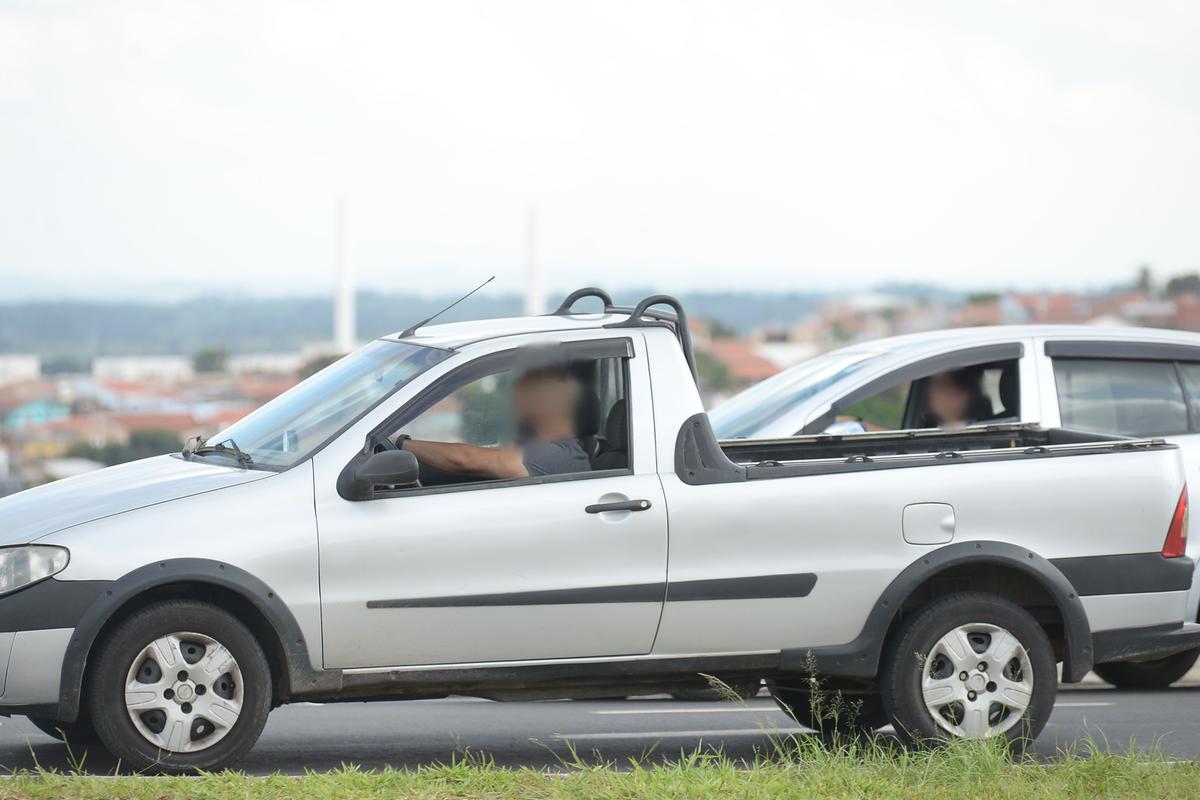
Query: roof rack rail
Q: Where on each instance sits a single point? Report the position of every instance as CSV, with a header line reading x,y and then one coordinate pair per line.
x,y
574,297
679,323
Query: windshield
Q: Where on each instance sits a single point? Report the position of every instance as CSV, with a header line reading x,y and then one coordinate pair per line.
x,y
745,415
291,427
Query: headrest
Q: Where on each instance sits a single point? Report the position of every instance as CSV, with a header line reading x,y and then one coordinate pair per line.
x,y
616,430
1010,389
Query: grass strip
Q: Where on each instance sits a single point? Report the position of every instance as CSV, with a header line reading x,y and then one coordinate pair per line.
x,y
799,768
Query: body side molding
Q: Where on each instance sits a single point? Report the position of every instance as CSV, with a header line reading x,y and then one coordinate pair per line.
x,y
755,587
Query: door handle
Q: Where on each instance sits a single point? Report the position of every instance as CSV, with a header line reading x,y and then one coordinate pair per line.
x,y
622,505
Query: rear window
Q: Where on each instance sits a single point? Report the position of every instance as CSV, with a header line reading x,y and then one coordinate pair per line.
x,y
1132,398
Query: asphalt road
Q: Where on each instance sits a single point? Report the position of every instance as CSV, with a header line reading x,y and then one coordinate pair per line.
x,y
415,733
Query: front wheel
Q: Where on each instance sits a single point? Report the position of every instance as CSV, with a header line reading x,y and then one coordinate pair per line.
x,y
179,686
970,666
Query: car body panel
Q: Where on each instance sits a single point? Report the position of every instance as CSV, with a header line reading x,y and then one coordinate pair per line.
x,y
266,527
43,510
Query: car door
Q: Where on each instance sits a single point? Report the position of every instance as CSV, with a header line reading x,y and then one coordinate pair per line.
x,y
494,571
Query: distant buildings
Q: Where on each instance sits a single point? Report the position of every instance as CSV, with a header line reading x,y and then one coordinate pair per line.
x,y
19,368
863,317
52,428
166,369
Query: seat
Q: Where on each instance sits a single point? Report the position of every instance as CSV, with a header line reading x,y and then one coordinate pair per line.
x,y
1010,393
587,423
614,450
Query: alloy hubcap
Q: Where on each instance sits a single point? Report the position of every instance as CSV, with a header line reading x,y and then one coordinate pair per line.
x,y
977,681
184,692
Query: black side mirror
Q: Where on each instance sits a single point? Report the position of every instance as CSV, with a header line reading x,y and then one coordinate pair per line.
x,y
390,468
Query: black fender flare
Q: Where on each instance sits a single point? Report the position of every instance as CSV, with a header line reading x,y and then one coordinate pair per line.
x,y
298,667
860,657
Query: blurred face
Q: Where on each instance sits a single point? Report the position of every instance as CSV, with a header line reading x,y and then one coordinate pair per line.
x,y
544,406
948,401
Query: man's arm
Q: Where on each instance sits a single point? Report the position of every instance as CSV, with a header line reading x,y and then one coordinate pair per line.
x,y
494,462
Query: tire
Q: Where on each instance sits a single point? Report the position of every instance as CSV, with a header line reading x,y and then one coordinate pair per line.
x,y
1157,674
835,716
741,689
78,733
929,655
207,688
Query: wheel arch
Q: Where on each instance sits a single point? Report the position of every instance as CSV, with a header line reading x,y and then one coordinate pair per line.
x,y
860,657
224,585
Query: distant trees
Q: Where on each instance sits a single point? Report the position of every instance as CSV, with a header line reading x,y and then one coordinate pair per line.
x,y
141,444
210,359
714,375
720,330
1188,282
1145,279
315,365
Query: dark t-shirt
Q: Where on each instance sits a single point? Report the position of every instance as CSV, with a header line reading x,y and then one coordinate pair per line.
x,y
557,457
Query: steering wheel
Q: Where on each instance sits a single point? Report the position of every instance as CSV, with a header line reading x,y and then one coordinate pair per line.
x,y
385,444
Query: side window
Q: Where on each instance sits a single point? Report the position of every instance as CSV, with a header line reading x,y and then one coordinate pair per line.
x,y
529,411
964,396
1132,398
480,413
883,411
1191,380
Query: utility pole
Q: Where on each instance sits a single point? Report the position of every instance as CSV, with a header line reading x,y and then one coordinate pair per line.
x,y
345,324
535,294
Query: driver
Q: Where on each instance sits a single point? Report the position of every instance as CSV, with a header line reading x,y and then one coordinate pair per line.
x,y
953,399
544,405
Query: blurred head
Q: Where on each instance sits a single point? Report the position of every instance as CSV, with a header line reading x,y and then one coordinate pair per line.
x,y
545,402
954,396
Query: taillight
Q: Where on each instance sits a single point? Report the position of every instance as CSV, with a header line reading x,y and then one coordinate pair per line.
x,y
1176,544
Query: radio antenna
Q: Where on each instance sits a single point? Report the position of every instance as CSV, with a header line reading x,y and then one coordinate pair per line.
x,y
410,331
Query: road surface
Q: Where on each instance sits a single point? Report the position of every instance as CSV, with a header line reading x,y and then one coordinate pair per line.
x,y
415,733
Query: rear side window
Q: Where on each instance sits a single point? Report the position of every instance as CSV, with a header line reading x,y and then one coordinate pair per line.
x,y
1131,398
1191,381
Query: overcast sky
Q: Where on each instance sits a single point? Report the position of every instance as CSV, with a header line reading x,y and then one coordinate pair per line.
x,y
164,148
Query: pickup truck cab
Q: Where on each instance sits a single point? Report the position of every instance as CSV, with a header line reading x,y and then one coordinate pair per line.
x,y
165,606
1133,382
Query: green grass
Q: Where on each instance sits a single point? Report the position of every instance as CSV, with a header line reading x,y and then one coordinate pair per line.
x,y
799,768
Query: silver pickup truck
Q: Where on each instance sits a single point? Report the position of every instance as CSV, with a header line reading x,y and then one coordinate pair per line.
x,y
1135,382
315,550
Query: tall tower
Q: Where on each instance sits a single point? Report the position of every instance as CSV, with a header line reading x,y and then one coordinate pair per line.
x,y
345,315
535,294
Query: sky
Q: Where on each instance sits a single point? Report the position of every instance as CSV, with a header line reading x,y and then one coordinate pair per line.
x,y
154,150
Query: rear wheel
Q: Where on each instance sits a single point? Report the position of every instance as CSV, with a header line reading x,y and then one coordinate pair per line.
x,y
1157,674
970,666
180,686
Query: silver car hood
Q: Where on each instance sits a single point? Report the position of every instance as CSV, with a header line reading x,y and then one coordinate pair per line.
x,y
43,510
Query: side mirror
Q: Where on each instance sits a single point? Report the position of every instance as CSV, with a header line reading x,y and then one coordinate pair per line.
x,y
390,468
